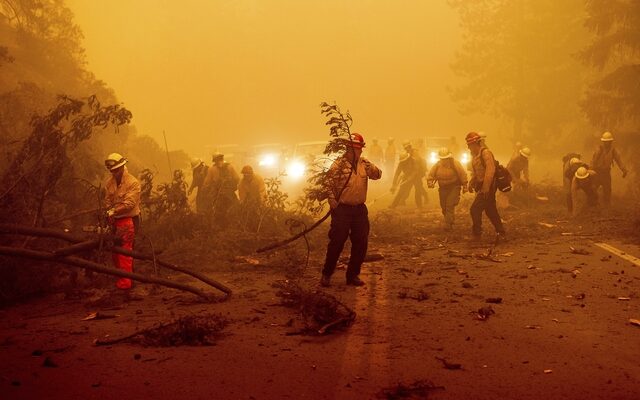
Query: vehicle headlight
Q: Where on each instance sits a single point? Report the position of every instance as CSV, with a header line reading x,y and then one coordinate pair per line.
x,y
268,160
296,169
464,159
433,157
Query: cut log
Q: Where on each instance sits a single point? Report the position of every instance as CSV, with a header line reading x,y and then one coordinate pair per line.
x,y
77,248
79,262
142,256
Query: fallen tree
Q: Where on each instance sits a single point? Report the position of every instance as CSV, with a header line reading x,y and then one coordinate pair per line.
x,y
81,244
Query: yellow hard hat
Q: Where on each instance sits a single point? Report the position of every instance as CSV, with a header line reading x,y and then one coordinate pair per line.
x,y
607,137
574,160
525,152
114,161
195,163
582,173
444,153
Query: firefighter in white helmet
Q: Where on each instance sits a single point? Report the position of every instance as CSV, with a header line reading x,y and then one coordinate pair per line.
x,y
199,170
584,180
518,167
451,178
122,202
602,161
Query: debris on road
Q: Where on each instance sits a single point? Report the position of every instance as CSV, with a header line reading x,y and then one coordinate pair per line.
x,y
449,365
98,315
546,225
494,300
578,250
414,294
484,313
419,389
186,331
635,322
247,260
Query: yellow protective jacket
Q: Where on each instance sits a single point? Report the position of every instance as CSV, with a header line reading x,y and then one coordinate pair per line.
x,y
123,198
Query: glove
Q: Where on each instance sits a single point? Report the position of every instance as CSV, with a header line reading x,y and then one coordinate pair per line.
x,y
111,212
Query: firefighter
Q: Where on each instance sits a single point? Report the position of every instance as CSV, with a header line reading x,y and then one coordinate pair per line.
x,y
420,170
569,171
518,167
251,189
221,184
451,178
602,161
122,202
584,180
390,155
349,216
403,180
376,154
199,170
483,168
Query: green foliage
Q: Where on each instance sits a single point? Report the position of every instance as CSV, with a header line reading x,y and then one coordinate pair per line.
x,y
43,159
613,100
320,181
517,63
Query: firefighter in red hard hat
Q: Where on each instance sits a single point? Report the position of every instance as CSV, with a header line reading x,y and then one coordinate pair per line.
x,y
483,168
122,201
349,176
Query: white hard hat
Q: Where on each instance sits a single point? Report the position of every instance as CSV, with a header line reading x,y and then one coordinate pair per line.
x,y
518,144
525,152
114,161
444,153
574,160
195,163
607,137
483,135
582,173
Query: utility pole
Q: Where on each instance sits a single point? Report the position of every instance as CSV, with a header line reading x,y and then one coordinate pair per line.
x,y
168,158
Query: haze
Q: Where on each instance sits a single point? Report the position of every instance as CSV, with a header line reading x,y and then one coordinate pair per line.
x,y
247,71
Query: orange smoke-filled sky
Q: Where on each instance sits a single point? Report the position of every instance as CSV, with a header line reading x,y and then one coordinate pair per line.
x,y
255,71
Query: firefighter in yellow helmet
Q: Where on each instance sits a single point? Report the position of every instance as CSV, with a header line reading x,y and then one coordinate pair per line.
x,y
122,202
601,163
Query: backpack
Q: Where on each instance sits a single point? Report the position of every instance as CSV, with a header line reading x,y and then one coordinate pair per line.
x,y
502,176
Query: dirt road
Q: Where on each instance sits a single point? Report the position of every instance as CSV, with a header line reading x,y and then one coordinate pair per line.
x,y
559,329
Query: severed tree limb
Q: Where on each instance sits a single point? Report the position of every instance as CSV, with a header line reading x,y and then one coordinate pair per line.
x,y
81,244
79,262
197,275
77,248
40,232
295,237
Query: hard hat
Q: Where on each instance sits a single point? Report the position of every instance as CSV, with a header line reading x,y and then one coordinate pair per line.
x,y
574,161
525,152
582,173
473,137
357,140
195,163
404,156
607,137
247,170
217,157
114,161
483,135
406,144
444,153
518,145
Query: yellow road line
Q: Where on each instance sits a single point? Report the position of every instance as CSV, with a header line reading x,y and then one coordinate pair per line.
x,y
619,253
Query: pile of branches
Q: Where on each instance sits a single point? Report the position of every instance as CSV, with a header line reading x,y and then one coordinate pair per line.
x,y
190,330
321,313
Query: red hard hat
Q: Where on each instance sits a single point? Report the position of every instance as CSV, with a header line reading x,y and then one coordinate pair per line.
x,y
473,137
357,140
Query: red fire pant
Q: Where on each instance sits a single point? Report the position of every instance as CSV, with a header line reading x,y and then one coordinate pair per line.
x,y
126,233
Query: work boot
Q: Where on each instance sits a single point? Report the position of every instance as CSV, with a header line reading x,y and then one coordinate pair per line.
x,y
325,281
355,281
